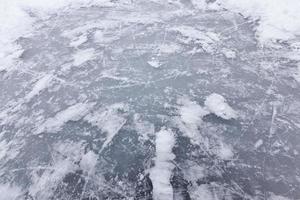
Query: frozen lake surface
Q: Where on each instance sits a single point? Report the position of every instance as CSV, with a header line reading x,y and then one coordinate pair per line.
x,y
150,100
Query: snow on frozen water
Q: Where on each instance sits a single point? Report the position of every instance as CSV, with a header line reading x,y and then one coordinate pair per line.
x,y
9,192
191,114
89,161
72,113
154,63
104,76
218,105
228,53
278,20
169,48
161,173
258,143
40,85
82,56
110,121
79,41
193,35
224,151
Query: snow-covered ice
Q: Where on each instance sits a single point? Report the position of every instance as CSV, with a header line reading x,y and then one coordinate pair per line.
x,y
161,173
123,99
218,105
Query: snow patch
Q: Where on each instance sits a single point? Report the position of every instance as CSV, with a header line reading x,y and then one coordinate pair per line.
x,y
77,41
154,63
65,155
83,56
110,121
258,143
72,113
40,85
224,151
205,38
88,162
161,173
228,53
217,105
191,115
278,20
9,192
102,38
191,112
201,192
168,48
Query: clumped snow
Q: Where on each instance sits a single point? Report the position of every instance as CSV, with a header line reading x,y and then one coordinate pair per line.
x,y
218,105
88,162
161,173
258,143
191,114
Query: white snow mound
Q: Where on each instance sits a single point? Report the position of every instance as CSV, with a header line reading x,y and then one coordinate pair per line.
x,y
217,104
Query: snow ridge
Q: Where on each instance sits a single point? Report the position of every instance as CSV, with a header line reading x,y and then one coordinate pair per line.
x,y
161,173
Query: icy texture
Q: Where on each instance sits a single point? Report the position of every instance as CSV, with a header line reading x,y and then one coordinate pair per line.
x,y
95,93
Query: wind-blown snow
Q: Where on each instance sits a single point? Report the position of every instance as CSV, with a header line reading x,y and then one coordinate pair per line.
x,y
89,161
72,113
110,121
278,20
218,105
9,192
40,85
191,114
160,174
83,56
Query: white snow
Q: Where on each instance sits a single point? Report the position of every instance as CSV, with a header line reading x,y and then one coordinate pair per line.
x,y
278,197
258,143
191,114
88,162
224,151
77,41
277,19
65,154
16,21
8,192
102,38
110,121
228,53
72,113
154,63
201,192
40,85
161,173
190,34
82,56
168,48
218,105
